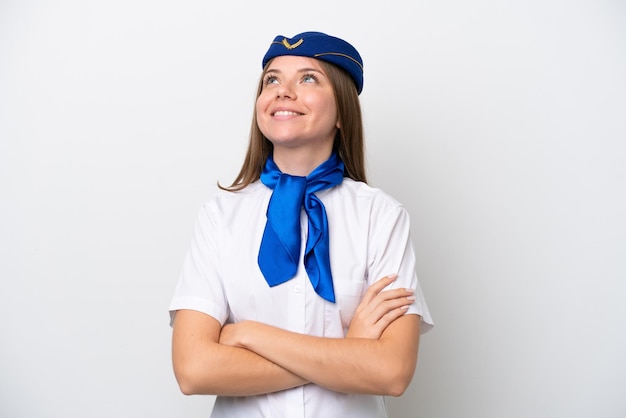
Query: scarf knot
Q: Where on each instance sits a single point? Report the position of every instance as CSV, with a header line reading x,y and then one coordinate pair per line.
x,y
279,253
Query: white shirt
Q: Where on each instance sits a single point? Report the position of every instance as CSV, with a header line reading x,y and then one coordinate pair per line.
x,y
369,239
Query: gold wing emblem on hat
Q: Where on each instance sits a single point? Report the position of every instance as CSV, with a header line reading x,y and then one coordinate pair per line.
x,y
289,46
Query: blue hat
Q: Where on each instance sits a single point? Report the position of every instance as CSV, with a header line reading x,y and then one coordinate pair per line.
x,y
323,47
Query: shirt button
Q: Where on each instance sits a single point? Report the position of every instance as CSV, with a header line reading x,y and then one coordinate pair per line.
x,y
297,288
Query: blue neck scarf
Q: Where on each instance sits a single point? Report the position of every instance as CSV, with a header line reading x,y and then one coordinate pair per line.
x,y
280,247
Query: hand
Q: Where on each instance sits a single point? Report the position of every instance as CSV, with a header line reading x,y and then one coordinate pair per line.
x,y
379,308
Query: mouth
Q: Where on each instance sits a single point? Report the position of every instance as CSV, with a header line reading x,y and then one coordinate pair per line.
x,y
280,113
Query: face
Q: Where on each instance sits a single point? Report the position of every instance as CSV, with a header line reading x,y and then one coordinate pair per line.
x,y
296,107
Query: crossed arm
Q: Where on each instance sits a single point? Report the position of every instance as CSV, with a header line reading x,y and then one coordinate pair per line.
x,y
378,356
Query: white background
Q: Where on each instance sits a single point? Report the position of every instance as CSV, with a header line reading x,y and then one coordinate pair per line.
x,y
500,125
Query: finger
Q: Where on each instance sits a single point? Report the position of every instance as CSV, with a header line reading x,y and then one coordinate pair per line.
x,y
394,293
391,316
385,320
389,295
374,289
391,305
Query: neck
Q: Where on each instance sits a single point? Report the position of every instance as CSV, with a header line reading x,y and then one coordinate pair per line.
x,y
299,162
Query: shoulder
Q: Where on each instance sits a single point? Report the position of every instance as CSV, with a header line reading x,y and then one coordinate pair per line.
x,y
361,202
251,192
364,194
225,202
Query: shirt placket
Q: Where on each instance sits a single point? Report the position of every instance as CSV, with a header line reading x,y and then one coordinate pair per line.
x,y
297,319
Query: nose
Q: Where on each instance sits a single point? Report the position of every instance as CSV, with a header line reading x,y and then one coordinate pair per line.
x,y
286,91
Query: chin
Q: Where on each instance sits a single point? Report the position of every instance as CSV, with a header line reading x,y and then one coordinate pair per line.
x,y
283,140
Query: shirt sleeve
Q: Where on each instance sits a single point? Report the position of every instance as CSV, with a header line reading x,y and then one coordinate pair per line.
x,y
199,285
391,252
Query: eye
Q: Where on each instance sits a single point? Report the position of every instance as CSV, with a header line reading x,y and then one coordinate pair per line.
x,y
309,78
270,79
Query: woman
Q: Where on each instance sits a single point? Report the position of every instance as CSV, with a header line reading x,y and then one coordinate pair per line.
x,y
298,296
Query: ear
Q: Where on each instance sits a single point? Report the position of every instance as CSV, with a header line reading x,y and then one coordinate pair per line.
x,y
338,124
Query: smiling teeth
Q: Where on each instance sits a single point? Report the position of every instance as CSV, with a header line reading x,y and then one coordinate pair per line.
x,y
285,113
